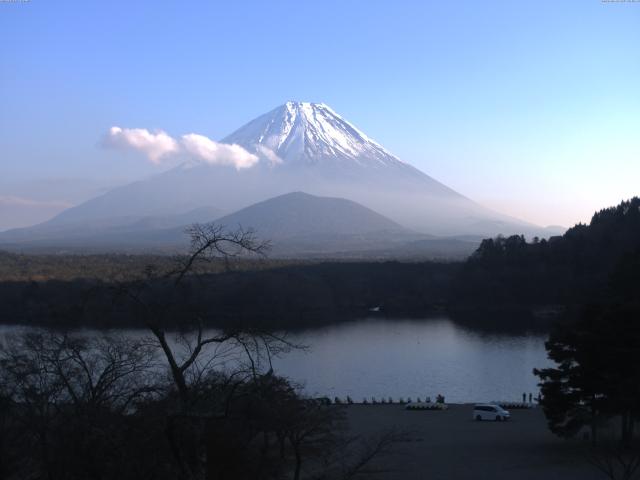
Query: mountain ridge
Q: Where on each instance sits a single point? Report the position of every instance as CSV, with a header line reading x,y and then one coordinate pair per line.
x,y
306,147
296,224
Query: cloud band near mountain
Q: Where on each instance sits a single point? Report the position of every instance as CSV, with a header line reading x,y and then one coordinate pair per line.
x,y
155,146
160,146
205,149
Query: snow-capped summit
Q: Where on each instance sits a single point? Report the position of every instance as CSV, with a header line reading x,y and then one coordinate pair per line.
x,y
304,132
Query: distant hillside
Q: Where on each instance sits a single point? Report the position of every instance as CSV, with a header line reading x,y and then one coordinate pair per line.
x,y
107,233
302,215
562,270
298,225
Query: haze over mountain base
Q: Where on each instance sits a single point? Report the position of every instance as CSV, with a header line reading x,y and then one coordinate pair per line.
x,y
297,147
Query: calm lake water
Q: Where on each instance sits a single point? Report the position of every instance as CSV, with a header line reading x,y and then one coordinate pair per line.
x,y
411,358
403,358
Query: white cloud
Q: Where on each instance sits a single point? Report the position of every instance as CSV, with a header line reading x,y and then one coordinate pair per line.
x,y
154,145
160,145
269,154
206,150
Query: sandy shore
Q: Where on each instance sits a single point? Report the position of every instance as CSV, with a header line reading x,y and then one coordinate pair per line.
x,y
451,445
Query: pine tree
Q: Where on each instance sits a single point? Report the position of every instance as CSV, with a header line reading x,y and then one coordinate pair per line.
x,y
597,375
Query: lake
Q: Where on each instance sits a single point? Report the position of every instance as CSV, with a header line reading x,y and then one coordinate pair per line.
x,y
415,358
411,358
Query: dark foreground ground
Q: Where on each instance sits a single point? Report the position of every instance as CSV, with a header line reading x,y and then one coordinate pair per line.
x,y
450,445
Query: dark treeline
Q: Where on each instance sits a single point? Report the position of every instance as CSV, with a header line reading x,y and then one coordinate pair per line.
x,y
594,273
559,271
291,296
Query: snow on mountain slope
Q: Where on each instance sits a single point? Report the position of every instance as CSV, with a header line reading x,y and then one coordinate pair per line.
x,y
309,132
330,154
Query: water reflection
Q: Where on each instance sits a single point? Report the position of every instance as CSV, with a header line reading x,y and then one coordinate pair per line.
x,y
395,358
409,358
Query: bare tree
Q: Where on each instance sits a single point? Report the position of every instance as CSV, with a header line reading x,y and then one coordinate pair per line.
x,y
67,396
617,462
208,242
193,355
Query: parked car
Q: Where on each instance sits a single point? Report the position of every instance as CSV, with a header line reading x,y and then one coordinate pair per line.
x,y
487,411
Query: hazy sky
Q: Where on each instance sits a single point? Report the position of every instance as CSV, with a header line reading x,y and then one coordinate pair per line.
x,y
532,108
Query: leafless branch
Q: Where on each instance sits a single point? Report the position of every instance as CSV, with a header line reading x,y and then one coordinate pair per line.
x,y
616,462
211,240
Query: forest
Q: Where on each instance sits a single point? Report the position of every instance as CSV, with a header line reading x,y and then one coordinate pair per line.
x,y
504,284
559,271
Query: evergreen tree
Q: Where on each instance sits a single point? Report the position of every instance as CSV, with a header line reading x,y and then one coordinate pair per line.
x,y
598,368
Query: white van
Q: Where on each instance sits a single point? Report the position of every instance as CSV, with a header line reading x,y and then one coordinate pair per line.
x,y
488,411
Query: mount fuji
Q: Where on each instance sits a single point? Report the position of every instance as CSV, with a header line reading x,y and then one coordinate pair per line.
x,y
301,147
305,133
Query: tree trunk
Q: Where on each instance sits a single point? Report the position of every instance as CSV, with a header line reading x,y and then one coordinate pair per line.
x,y
281,440
176,372
298,458
594,423
627,429
296,475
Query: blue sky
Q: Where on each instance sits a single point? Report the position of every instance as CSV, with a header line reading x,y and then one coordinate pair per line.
x,y
532,108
